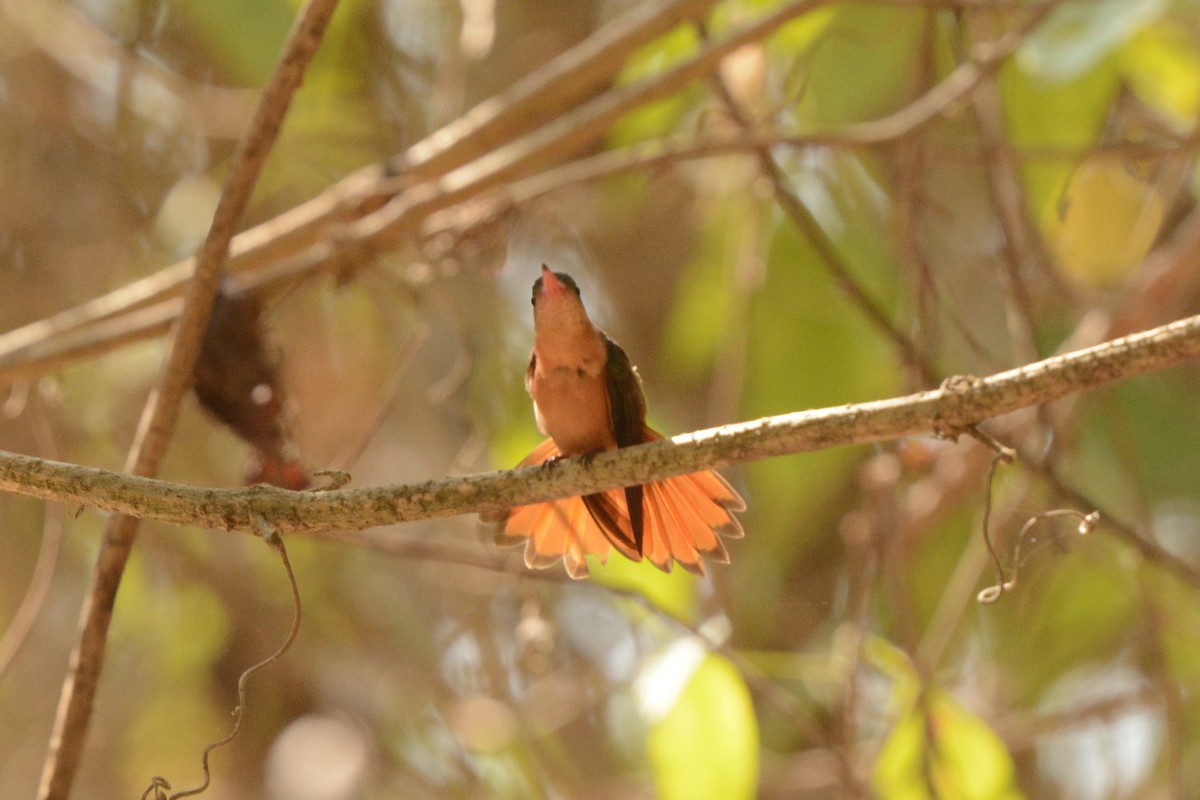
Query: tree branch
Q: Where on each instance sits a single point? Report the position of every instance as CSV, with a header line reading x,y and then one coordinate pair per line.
x,y
493,143
557,86
162,408
958,404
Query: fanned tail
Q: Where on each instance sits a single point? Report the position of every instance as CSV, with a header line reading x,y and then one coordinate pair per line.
x,y
683,519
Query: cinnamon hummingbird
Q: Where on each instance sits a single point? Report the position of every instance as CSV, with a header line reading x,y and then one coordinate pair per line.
x,y
587,397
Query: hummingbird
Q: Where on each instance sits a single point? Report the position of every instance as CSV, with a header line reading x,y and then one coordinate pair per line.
x,y
588,398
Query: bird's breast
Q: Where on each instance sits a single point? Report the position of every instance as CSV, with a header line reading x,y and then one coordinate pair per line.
x,y
571,403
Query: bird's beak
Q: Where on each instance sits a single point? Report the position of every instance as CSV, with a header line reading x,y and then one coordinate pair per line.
x,y
551,285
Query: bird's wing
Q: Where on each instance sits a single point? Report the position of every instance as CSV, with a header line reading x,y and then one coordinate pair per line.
x,y
627,414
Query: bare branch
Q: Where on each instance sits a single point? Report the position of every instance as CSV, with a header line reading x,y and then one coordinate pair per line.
x,y
957,405
162,408
368,212
560,84
547,93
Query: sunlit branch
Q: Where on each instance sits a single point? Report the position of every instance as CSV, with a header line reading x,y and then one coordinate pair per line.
x,y
369,212
946,411
294,235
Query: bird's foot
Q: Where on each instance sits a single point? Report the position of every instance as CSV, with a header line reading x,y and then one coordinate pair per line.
x,y
586,458
590,456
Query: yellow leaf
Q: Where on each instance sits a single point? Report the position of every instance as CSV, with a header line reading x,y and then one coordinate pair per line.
x,y
705,745
1106,221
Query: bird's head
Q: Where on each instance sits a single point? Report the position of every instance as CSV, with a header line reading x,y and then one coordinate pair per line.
x,y
557,304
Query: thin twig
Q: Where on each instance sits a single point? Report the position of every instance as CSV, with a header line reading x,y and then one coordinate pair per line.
x,y
1146,547
990,482
158,419
954,603
53,526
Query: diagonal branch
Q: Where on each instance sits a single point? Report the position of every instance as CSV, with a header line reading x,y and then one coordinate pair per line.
x,y
498,140
162,408
555,88
961,402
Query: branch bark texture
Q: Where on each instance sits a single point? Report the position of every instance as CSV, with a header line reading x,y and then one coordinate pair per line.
x,y
959,403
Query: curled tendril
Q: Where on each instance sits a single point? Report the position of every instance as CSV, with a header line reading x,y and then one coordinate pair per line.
x,y
1087,523
157,790
159,786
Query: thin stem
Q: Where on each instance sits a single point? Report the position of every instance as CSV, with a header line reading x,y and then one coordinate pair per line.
x,y
53,526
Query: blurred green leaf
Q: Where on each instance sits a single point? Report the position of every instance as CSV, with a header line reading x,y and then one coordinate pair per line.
x,y
936,748
1160,433
188,622
943,751
799,35
1162,66
661,117
244,38
802,334
790,42
882,83
334,124
1105,221
705,745
1085,591
1068,115
674,592
1179,619
707,302
166,737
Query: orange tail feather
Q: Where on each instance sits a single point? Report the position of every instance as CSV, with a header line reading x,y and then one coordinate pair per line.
x,y
685,518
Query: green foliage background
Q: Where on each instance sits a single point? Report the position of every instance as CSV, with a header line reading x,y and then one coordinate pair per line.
x,y
843,652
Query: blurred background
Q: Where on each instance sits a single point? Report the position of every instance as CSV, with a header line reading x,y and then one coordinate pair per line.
x,y
843,653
